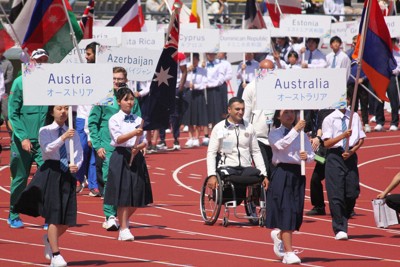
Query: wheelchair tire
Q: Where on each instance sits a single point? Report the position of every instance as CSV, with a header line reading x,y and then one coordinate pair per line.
x,y
210,202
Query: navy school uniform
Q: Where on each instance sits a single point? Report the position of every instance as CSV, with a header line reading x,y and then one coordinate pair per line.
x,y
127,186
286,190
51,193
342,178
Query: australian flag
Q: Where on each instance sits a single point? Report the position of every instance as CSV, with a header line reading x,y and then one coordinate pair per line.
x,y
161,100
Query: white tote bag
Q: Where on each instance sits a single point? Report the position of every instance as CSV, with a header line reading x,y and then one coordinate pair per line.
x,y
384,216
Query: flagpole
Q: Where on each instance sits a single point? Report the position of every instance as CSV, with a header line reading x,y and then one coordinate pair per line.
x,y
70,117
360,56
72,33
279,7
366,89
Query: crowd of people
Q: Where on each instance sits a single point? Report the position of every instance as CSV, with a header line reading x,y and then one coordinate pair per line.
x,y
110,144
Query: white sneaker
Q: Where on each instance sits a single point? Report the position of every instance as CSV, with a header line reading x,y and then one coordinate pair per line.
x,y
367,128
125,235
189,143
112,224
378,128
58,261
47,249
393,128
341,236
196,143
206,140
185,129
291,258
278,244
373,119
168,131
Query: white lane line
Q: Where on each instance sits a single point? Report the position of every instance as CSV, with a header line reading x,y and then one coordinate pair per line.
x,y
263,243
173,195
23,262
372,161
175,174
99,254
157,173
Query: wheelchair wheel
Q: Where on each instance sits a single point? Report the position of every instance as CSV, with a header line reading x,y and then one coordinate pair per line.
x,y
210,202
251,203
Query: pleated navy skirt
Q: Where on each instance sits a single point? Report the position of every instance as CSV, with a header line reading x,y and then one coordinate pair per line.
x,y
214,108
285,198
51,194
128,186
196,112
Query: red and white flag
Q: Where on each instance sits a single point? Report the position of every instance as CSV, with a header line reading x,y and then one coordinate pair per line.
x,y
275,9
129,17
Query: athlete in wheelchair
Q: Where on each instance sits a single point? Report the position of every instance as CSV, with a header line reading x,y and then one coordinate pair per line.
x,y
231,178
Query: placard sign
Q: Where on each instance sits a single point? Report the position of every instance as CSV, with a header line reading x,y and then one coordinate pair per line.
x,y
139,63
198,40
66,84
301,89
345,30
147,40
73,56
393,23
107,32
239,41
313,26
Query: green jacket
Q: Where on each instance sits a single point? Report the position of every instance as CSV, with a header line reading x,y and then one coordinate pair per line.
x,y
98,124
25,120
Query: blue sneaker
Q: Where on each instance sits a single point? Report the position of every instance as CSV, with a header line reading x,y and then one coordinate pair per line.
x,y
17,223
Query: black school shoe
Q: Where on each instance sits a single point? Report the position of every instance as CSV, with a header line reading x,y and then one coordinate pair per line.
x,y
316,211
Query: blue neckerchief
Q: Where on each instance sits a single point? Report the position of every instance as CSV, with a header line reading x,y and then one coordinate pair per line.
x,y
210,64
129,118
248,63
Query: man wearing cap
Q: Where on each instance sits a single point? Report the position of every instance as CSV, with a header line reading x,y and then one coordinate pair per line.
x,y
26,122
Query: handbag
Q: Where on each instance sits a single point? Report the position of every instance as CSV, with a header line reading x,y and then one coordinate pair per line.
x,y
383,215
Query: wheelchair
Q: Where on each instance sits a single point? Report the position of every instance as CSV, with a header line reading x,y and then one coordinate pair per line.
x,y
232,190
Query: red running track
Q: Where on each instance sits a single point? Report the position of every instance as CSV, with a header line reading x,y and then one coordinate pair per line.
x,y
171,231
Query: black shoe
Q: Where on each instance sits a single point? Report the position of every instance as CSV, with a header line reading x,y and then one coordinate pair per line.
x,y
352,214
316,211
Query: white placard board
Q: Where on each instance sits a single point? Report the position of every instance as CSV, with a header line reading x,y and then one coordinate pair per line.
x,y
108,32
301,89
147,40
73,56
239,41
345,30
393,23
140,64
66,84
312,26
198,40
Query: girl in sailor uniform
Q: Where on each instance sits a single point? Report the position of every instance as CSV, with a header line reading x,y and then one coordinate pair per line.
x,y
52,191
128,185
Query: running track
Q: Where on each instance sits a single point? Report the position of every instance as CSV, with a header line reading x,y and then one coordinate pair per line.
x,y
171,232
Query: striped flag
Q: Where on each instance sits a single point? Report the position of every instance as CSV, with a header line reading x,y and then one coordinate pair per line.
x,y
86,22
377,42
6,42
199,15
285,6
161,100
253,17
49,29
20,16
129,17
